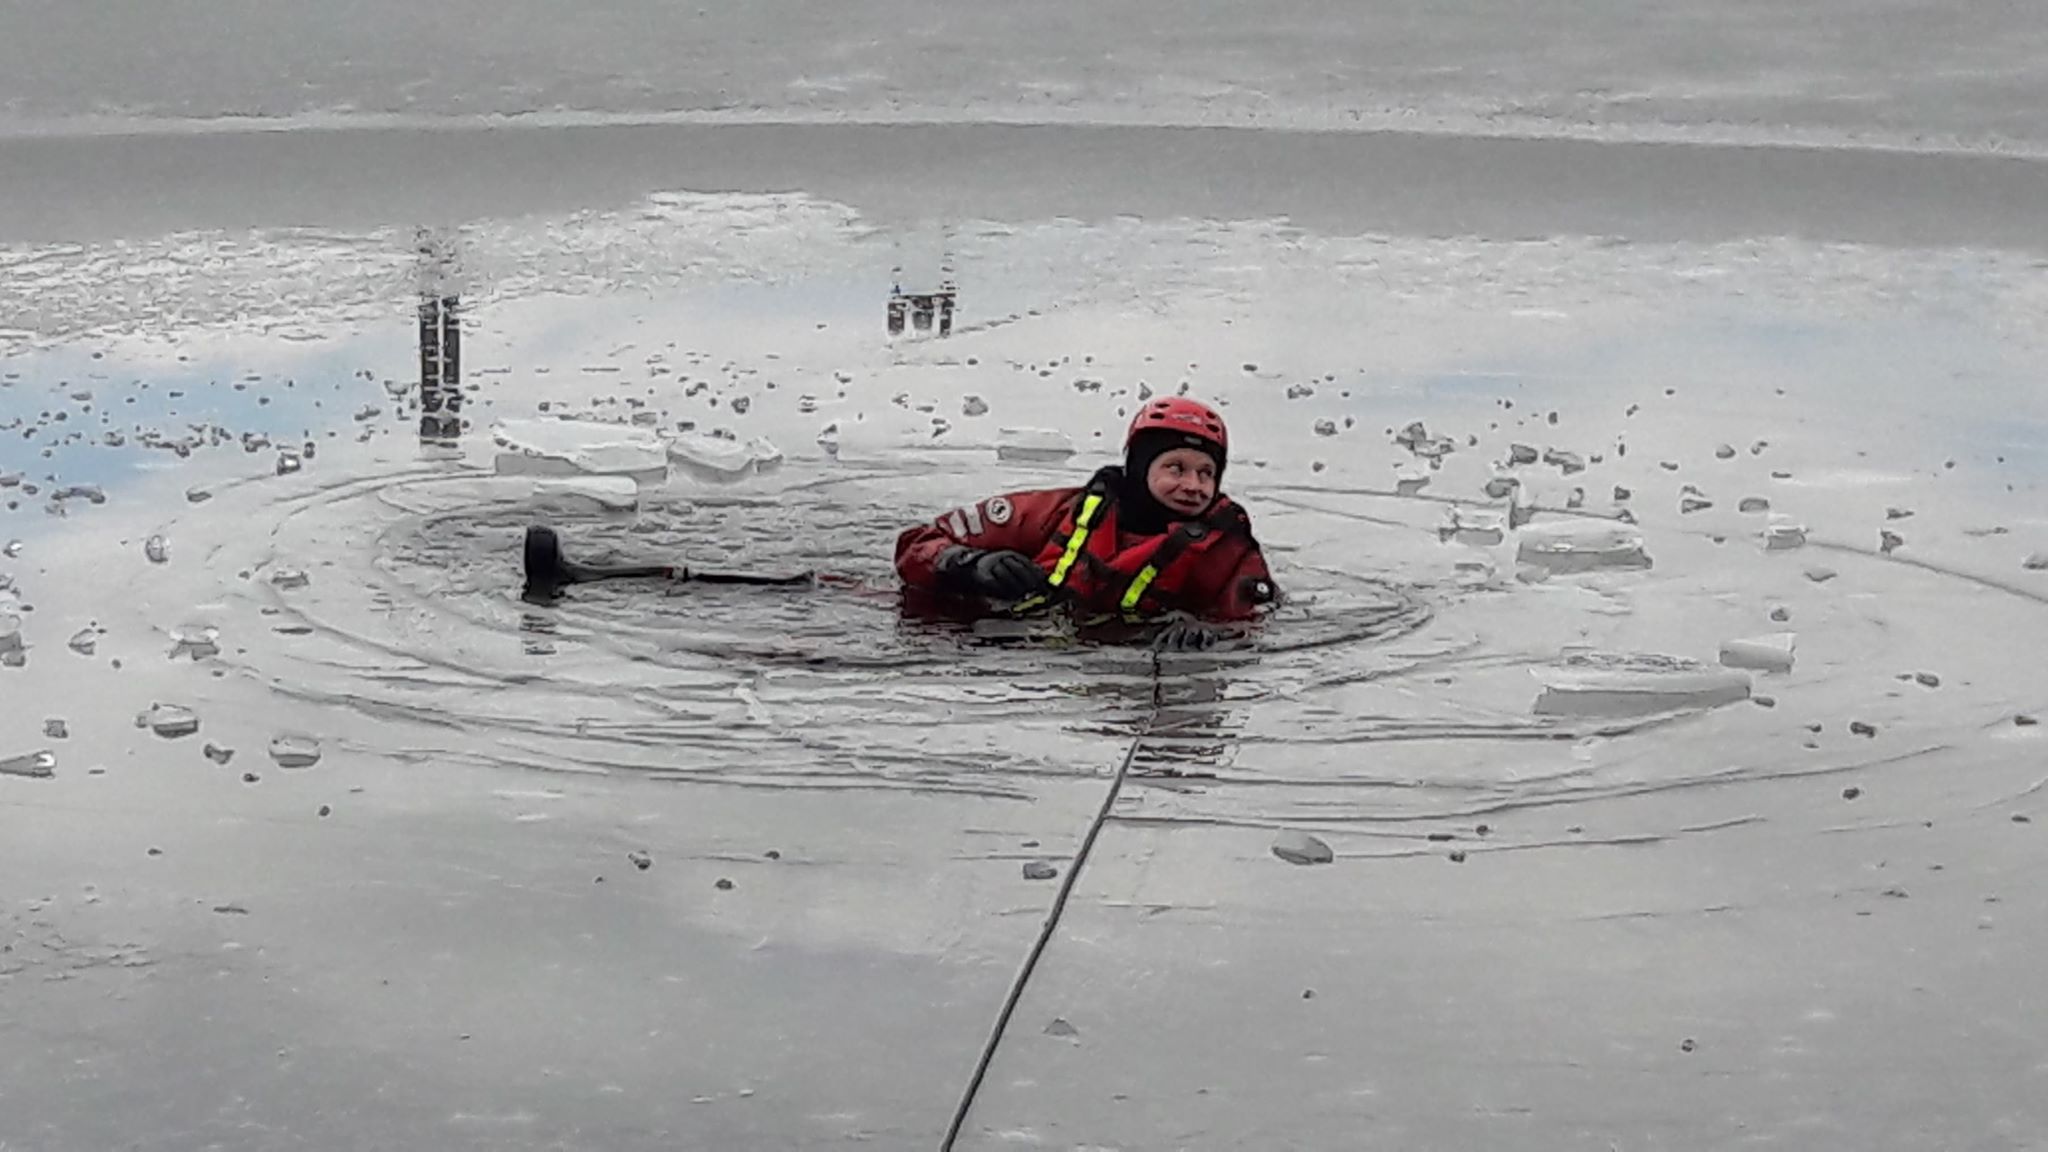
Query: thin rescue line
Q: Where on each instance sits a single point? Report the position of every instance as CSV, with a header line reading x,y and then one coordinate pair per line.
x,y
1051,925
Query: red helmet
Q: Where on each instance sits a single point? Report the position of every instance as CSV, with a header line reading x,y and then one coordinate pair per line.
x,y
1179,414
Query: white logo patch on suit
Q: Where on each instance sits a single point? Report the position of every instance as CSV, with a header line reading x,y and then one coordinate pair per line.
x,y
999,510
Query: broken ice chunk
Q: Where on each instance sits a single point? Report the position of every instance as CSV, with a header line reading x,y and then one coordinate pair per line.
x,y
39,765
1302,848
1767,653
1780,535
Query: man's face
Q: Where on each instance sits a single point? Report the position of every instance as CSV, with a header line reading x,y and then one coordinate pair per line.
x,y
1183,479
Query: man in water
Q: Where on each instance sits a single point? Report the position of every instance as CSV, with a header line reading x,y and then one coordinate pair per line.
x,y
1155,537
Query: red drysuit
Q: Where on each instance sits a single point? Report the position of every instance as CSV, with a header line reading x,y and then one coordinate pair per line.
x,y
1214,571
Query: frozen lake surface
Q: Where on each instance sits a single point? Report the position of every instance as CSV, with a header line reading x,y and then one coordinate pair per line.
x,y
1646,755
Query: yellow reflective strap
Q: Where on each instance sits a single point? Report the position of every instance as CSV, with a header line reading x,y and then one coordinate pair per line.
x,y
1077,541
1139,583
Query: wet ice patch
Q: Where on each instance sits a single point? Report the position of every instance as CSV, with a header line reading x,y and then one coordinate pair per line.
x,y
579,448
1615,684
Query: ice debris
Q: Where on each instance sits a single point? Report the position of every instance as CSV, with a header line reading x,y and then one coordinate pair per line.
x,y
1768,653
157,549
289,579
1039,870
1481,529
973,406
195,641
1416,438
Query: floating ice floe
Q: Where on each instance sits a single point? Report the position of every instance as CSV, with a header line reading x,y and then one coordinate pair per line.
x,y
1408,482
1043,445
1614,684
720,458
586,494
2035,562
1768,653
1581,545
579,448
10,633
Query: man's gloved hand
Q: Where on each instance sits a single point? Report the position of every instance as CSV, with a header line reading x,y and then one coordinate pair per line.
x,y
1001,575
1187,634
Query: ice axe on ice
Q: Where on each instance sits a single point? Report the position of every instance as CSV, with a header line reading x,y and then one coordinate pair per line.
x,y
548,571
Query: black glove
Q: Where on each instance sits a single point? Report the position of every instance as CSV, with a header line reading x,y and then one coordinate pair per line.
x,y
999,575
1189,635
